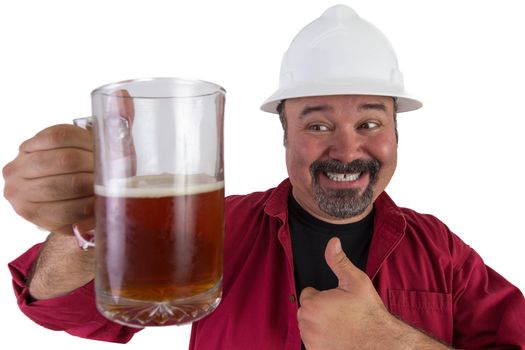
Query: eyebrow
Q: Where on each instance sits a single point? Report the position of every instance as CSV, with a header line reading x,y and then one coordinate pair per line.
x,y
379,106
317,108
372,106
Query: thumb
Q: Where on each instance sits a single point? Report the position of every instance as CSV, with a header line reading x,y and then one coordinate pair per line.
x,y
339,263
120,116
120,104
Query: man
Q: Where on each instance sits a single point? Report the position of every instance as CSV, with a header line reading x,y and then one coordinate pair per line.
x,y
325,259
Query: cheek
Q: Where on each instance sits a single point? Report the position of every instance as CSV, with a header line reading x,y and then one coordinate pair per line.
x,y
299,157
386,153
295,160
383,147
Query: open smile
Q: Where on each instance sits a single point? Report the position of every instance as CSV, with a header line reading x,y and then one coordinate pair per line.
x,y
333,174
340,181
340,177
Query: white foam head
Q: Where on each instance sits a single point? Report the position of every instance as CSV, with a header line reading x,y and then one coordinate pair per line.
x,y
155,186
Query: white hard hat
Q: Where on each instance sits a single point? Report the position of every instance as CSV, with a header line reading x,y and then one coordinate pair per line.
x,y
340,54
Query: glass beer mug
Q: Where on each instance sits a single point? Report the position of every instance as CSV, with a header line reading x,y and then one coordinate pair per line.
x,y
159,200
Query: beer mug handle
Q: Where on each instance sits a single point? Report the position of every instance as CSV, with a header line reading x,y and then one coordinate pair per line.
x,y
85,237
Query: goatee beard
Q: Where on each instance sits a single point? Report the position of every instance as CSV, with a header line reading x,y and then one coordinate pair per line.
x,y
344,203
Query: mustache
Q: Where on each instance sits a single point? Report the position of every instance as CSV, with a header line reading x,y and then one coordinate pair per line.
x,y
371,166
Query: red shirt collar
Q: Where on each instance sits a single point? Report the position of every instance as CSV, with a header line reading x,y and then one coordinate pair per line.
x,y
389,223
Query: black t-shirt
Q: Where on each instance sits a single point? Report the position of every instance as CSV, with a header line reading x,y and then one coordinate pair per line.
x,y
309,238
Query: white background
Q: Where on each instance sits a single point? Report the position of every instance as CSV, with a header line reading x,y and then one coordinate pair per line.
x,y
460,156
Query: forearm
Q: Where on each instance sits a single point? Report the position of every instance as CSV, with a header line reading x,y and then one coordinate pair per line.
x,y
404,336
61,268
75,312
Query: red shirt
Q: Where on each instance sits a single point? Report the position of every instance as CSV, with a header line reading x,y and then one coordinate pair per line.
x,y
423,273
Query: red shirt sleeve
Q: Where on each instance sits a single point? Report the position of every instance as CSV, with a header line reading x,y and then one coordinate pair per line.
x,y
489,311
74,313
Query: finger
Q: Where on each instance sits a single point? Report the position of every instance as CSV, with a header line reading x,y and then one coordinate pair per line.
x,y
59,187
55,215
53,162
59,136
121,105
339,263
307,293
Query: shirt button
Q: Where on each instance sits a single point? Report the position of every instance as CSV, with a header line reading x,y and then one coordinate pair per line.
x,y
292,298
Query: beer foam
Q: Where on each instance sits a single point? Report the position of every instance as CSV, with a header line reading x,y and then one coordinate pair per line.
x,y
156,186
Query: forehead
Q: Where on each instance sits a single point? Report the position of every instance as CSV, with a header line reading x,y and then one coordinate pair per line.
x,y
345,102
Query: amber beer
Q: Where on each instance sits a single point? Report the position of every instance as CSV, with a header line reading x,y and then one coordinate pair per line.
x,y
159,250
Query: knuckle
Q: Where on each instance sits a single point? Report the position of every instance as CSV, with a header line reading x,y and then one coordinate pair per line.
x,y
24,145
12,168
10,191
342,259
58,135
305,300
302,316
307,304
7,170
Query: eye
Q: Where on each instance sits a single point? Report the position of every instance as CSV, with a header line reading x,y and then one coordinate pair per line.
x,y
369,125
318,127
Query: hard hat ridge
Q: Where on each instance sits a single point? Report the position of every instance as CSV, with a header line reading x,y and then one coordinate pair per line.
x,y
338,54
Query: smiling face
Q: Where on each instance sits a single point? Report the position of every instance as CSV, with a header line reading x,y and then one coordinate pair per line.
x,y
341,153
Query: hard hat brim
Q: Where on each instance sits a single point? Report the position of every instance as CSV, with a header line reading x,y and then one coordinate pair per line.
x,y
405,102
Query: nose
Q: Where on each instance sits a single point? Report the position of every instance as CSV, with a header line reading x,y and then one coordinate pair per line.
x,y
346,145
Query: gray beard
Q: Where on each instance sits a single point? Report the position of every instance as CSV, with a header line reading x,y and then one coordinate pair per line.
x,y
344,203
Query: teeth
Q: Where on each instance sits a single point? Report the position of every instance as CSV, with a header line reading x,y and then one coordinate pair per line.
x,y
343,177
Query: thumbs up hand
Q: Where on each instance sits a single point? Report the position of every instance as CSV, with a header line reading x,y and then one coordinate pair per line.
x,y
351,316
